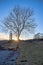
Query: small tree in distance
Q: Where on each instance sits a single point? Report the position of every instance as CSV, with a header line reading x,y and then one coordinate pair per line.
x,y
38,36
20,19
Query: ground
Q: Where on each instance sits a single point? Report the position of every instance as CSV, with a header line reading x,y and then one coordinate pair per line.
x,y
30,53
8,57
8,53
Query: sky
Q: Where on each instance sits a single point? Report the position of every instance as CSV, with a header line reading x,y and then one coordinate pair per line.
x,y
6,6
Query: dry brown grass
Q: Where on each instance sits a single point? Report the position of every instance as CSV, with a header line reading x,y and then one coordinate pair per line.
x,y
32,52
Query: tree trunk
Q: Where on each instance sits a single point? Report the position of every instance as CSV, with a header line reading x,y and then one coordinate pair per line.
x,y
18,36
10,36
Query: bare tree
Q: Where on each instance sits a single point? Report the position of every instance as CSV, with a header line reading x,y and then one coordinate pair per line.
x,y
20,19
38,36
7,27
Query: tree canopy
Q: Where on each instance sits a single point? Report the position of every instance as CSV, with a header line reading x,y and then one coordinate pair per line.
x,y
20,19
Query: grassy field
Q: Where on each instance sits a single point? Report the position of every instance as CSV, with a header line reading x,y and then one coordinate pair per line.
x,y
31,53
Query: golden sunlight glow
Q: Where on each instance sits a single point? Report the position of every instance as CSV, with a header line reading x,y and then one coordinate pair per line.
x,y
16,39
4,36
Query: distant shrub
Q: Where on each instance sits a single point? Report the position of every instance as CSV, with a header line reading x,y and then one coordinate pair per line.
x,y
38,36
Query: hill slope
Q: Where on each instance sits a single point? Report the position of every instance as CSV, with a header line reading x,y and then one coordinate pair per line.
x,y
31,53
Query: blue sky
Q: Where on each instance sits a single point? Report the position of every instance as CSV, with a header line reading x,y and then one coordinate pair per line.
x,y
6,7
